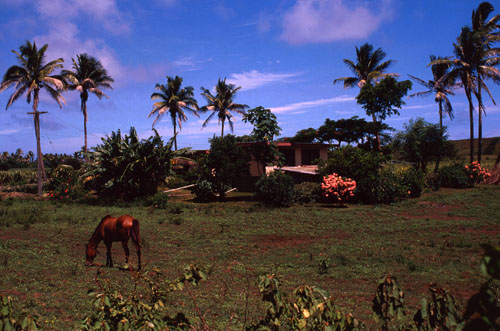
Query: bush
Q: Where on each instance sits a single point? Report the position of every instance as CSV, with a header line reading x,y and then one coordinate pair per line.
x,y
338,188
352,162
475,173
159,200
453,176
65,184
276,189
227,162
385,187
413,180
203,191
175,182
308,192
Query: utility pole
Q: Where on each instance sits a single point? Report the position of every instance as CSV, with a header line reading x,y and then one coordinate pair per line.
x,y
40,167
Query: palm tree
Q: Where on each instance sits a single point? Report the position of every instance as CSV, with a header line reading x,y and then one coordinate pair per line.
x,y
486,33
174,100
441,89
89,76
221,104
368,69
463,70
29,77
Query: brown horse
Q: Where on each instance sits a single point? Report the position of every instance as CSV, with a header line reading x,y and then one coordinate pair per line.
x,y
112,229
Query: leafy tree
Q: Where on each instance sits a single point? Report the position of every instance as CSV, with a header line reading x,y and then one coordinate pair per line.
x,y
265,129
126,167
227,162
221,104
264,123
383,99
174,100
305,136
422,142
89,76
30,77
368,69
441,88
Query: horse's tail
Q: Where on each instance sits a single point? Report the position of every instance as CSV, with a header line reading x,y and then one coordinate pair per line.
x,y
135,233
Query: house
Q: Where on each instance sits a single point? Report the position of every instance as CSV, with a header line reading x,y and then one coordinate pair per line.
x,y
298,160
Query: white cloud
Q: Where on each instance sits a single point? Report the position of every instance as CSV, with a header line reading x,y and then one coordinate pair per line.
x,y
253,79
323,21
8,131
311,104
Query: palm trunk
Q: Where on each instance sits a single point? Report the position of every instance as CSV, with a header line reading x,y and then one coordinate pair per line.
x,y
471,120
222,131
36,117
175,133
377,134
85,119
479,124
438,160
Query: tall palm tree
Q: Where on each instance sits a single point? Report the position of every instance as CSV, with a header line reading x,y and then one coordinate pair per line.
x,y
441,89
221,104
29,77
174,100
486,32
463,70
89,76
368,69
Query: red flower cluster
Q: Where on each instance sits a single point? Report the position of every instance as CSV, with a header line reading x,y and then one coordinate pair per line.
x,y
342,189
476,173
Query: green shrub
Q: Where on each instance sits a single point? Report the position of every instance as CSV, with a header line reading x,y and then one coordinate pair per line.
x,y
352,162
276,189
308,192
175,182
203,191
433,181
385,187
7,321
159,200
453,176
413,180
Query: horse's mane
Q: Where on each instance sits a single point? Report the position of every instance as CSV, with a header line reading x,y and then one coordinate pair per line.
x,y
99,226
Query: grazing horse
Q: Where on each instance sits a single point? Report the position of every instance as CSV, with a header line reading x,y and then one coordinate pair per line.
x,y
112,229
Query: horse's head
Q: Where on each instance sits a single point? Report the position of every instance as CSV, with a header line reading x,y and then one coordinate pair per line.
x,y
90,252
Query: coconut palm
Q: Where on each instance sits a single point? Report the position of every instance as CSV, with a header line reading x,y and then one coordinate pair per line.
x,y
30,77
221,104
441,89
174,100
486,32
463,70
89,76
368,69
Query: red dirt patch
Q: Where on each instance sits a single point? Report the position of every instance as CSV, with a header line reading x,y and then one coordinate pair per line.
x,y
489,230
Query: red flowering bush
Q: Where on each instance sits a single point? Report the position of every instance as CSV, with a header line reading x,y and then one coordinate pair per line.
x,y
65,184
339,188
476,173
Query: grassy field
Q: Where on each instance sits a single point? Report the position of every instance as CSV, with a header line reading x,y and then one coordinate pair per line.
x,y
435,238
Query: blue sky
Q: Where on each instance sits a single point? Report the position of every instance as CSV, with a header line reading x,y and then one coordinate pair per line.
x,y
284,54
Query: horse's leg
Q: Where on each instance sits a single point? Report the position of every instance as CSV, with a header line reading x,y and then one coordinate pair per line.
x,y
134,234
125,248
109,261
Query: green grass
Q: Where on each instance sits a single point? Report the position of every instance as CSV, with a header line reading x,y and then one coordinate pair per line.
x,y
435,238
